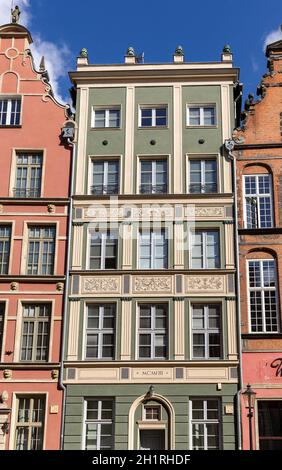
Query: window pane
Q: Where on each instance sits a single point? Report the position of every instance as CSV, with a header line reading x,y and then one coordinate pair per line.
x,y
194,117
209,116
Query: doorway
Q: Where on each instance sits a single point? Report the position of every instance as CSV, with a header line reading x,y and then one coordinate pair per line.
x,y
152,439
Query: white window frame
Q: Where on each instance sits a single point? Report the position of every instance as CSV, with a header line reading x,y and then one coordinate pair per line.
x,y
202,120
105,172
153,331
203,159
100,331
154,120
153,235
10,99
103,234
257,197
107,110
155,405
204,233
154,162
99,422
9,241
204,421
29,396
206,331
262,290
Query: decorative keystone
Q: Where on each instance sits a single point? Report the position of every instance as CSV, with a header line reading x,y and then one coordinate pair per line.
x,y
60,286
51,208
7,374
14,286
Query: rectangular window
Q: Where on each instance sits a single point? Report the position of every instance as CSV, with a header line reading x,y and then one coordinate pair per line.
x,y
205,249
270,424
10,111
152,413
201,115
205,424
103,250
153,177
2,317
153,117
29,175
263,296
109,117
30,423
105,177
99,432
152,331
206,331
35,332
100,331
203,176
153,249
258,201
41,250
5,245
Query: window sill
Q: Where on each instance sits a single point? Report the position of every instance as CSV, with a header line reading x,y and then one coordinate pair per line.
x,y
277,335
152,127
105,128
3,126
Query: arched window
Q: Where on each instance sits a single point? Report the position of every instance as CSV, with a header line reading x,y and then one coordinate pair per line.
x,y
263,298
258,206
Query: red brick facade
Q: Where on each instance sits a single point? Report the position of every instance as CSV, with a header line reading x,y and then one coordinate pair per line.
x,y
259,152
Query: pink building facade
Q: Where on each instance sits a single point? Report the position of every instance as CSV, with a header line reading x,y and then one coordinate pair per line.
x,y
34,205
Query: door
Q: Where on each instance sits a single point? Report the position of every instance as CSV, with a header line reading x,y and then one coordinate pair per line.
x,y
152,439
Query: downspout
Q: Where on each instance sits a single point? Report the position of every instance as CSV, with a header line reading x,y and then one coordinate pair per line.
x,y
66,292
229,145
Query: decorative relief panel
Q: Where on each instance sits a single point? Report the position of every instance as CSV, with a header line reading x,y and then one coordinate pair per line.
x,y
205,283
109,285
196,211
161,284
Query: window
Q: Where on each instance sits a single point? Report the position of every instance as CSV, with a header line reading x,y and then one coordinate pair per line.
x,y
263,298
105,177
30,423
109,117
35,332
205,424
152,331
103,250
153,117
205,249
153,247
201,115
41,250
152,413
270,424
10,111
99,425
29,174
258,201
203,176
5,242
206,331
153,177
2,313
100,332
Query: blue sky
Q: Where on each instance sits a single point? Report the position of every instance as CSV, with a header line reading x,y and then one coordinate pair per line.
x,y
155,27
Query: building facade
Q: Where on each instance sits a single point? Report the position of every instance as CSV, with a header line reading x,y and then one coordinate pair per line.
x,y
151,349
259,159
34,201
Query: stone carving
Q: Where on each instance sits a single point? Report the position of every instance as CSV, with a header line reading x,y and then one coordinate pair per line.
x,y
202,283
101,284
1,209
7,374
179,51
14,286
226,49
4,397
83,53
130,52
55,374
205,211
60,286
15,14
153,284
51,208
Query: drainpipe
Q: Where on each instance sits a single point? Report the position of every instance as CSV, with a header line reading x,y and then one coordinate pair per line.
x,y
66,291
229,145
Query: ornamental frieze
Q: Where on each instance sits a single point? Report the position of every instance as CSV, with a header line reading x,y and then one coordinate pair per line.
x,y
205,283
153,284
205,211
101,285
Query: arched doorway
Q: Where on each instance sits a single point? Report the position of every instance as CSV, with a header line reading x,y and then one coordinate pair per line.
x,y
151,423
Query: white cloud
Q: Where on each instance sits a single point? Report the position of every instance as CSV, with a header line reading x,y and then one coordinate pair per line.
x,y
56,56
273,36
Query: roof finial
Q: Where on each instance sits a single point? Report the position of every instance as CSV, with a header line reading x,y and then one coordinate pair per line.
x,y
42,67
15,14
